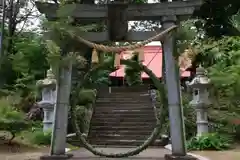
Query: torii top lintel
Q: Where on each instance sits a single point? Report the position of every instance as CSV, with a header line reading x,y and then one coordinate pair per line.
x,y
133,11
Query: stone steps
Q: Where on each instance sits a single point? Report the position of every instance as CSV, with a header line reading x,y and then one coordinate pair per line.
x,y
121,132
124,105
124,117
123,142
139,116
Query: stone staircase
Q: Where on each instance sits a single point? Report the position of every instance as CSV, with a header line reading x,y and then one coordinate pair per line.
x,y
124,117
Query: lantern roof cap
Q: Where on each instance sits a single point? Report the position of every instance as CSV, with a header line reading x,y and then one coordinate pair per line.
x,y
200,71
200,79
48,81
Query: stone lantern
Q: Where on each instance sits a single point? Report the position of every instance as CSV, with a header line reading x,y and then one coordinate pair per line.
x,y
201,102
48,88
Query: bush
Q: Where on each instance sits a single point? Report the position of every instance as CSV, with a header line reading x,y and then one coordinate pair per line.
x,y
36,125
132,75
211,141
86,96
11,120
41,138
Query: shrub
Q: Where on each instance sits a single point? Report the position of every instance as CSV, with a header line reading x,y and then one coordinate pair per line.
x,y
41,138
11,120
133,75
36,125
86,96
211,141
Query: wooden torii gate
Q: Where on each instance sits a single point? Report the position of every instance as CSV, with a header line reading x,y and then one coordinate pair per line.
x,y
117,15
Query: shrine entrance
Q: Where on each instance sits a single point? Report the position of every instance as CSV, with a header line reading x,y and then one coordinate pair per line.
x,y
117,14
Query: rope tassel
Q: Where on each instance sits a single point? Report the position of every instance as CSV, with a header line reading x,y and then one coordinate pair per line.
x,y
117,60
95,58
141,57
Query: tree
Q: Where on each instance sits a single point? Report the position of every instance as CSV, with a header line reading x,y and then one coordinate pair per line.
x,y
20,14
216,15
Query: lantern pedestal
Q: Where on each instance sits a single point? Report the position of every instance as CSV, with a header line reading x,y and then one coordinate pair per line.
x,y
202,121
48,109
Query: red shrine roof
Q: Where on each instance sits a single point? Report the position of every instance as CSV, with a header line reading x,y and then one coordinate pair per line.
x,y
152,59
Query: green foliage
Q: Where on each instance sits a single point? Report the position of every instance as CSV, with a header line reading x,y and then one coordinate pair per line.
x,y
100,75
29,49
139,1
54,55
84,117
221,53
84,108
36,125
38,137
222,58
81,117
133,75
87,96
216,15
25,65
187,35
211,141
30,58
11,120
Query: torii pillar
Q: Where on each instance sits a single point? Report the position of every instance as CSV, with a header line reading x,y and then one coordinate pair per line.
x,y
177,129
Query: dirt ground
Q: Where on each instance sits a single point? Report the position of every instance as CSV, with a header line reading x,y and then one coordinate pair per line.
x,y
16,151
233,154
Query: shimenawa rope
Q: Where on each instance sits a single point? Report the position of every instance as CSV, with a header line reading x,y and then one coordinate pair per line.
x,y
119,49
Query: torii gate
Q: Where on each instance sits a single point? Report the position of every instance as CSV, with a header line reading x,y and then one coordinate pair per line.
x,y
118,15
